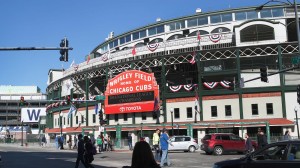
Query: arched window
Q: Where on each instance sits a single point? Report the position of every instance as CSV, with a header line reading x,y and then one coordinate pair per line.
x,y
157,40
202,32
220,30
257,32
175,36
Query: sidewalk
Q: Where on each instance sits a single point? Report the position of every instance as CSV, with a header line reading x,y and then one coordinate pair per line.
x,y
51,146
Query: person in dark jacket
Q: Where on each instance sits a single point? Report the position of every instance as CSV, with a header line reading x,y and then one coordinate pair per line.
x,y
142,156
88,154
80,150
248,143
261,139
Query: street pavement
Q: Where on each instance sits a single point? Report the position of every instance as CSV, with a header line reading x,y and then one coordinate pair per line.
x,y
34,156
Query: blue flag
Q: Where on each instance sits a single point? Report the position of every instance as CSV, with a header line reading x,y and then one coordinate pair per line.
x,y
72,110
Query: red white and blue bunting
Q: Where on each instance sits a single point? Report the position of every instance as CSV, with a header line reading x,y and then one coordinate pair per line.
x,y
188,87
153,47
175,88
225,84
215,38
210,85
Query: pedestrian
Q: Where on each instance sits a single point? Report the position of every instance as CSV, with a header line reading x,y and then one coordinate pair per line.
x,y
99,143
142,156
105,143
261,139
155,143
129,138
61,142
44,141
75,142
70,142
80,152
164,144
248,144
287,135
147,139
88,151
56,142
133,139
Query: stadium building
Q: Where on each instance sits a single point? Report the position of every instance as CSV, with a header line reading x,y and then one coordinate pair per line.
x,y
12,100
194,75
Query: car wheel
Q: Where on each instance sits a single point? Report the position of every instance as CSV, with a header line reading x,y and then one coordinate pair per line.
x,y
192,149
218,150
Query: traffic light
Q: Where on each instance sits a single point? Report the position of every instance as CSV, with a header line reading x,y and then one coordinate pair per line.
x,y
298,94
22,101
264,74
64,54
231,85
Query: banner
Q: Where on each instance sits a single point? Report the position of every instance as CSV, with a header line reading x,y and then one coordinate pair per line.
x,y
32,115
131,91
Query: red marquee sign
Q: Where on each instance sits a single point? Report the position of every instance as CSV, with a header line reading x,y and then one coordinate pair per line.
x,y
131,91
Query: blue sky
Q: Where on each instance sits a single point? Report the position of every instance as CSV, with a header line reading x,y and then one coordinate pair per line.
x,y
43,23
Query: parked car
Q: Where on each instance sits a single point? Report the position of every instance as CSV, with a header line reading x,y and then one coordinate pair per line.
x,y
183,143
275,155
218,143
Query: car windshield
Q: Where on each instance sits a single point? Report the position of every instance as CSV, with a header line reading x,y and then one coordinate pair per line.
x,y
207,137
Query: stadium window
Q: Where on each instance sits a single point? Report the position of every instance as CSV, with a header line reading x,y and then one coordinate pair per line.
x,y
192,22
252,15
122,40
160,29
227,110
254,109
128,38
177,25
76,119
152,31
176,113
116,117
94,118
214,111
68,120
82,119
189,112
116,43
215,19
240,16
125,116
144,116
269,108
55,122
135,36
202,21
111,45
257,32
266,13
64,120
226,17
277,12
142,33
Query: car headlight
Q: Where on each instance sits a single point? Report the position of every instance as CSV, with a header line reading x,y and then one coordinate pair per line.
x,y
216,166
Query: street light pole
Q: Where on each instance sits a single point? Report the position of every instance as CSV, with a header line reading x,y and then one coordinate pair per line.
x,y
296,112
171,110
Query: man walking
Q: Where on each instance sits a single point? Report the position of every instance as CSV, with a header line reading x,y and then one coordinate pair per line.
x,y
99,143
129,141
80,150
155,141
164,143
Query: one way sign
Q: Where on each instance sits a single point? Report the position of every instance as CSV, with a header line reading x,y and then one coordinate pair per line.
x,y
32,115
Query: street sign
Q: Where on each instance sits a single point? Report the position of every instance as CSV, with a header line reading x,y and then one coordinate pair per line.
x,y
296,60
100,97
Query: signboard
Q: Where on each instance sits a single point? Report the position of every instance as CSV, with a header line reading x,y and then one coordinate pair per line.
x,y
131,91
32,115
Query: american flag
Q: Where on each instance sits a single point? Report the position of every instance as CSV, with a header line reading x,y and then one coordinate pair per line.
x,y
193,61
133,51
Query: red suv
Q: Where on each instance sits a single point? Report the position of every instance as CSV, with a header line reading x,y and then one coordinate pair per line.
x,y
218,143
